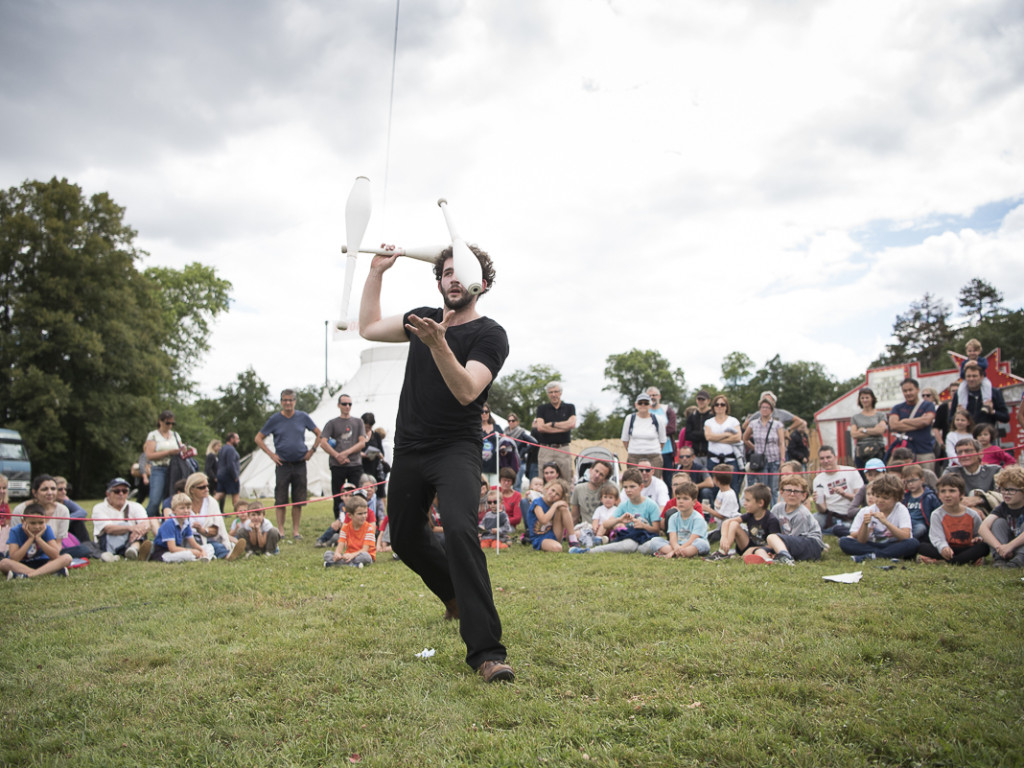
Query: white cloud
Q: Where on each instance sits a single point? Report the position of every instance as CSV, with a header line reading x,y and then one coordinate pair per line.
x,y
693,178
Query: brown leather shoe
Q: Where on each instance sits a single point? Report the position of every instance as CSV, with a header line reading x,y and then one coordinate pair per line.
x,y
496,672
451,610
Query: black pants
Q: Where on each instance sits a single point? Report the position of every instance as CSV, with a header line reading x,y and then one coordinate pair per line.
x,y
960,556
340,476
458,568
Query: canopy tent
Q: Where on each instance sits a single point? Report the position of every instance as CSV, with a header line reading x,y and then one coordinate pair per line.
x,y
374,388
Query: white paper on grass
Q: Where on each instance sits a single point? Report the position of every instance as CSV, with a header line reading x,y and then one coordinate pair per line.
x,y
845,578
426,653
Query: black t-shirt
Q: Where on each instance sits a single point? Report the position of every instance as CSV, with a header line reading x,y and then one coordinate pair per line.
x,y
547,413
695,431
428,413
758,530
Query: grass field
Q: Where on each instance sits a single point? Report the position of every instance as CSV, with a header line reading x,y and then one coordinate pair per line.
x,y
620,661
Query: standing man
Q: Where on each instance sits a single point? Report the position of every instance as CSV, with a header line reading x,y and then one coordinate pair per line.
x,y
834,489
344,438
975,406
913,419
667,415
229,472
553,427
288,429
695,425
454,355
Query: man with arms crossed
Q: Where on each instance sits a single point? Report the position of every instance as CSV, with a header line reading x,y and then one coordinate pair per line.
x,y
290,455
553,426
454,355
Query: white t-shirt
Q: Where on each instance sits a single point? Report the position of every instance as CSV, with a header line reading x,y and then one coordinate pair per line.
x,y
827,486
265,527
645,438
726,504
209,516
728,450
899,517
163,444
131,513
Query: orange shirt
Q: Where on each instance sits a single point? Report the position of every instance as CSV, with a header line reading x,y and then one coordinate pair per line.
x,y
356,540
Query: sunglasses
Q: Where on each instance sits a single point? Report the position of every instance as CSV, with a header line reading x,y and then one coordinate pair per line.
x,y
349,405
647,471
119,491
720,405
201,487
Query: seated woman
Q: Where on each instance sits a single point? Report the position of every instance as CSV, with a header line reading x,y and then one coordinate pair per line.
x,y
32,548
58,517
175,541
883,529
207,520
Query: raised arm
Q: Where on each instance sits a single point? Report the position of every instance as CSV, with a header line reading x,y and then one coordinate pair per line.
x,y
372,326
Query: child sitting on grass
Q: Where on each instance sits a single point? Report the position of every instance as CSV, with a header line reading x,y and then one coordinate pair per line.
x,y
175,541
726,504
241,518
953,533
884,528
259,534
357,539
636,524
549,518
687,529
32,549
751,529
495,527
800,538
594,531
919,499
1003,530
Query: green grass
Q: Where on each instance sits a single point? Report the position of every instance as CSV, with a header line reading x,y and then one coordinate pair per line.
x,y
620,661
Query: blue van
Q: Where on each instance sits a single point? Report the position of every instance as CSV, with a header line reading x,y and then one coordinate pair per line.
x,y
14,463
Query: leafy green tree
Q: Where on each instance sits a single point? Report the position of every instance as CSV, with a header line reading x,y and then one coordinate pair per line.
x,y
308,398
521,391
631,372
801,387
922,333
189,300
737,369
243,407
980,300
82,372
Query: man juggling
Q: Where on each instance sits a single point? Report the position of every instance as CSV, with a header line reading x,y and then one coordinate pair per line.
x,y
454,355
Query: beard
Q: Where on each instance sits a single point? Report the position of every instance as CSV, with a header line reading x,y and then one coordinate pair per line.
x,y
459,303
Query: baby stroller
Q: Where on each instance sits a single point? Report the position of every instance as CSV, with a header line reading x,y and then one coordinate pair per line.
x,y
596,453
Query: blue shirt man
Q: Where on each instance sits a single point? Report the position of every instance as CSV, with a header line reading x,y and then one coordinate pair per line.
x,y
914,418
288,428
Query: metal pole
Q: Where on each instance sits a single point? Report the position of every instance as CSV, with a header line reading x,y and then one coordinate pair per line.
x,y
325,353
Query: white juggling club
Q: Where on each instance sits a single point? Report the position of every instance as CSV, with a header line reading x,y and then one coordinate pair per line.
x,y
421,252
357,216
464,261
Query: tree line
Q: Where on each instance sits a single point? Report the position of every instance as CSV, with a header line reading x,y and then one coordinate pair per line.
x,y
93,346
926,332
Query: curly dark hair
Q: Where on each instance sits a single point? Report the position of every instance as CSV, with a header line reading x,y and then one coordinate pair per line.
x,y
486,265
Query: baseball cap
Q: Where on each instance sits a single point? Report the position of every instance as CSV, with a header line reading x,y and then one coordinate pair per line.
x,y
875,464
118,481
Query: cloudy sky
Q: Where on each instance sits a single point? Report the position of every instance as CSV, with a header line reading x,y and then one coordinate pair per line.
x,y
696,177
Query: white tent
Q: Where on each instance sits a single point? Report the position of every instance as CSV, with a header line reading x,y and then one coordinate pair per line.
x,y
374,388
